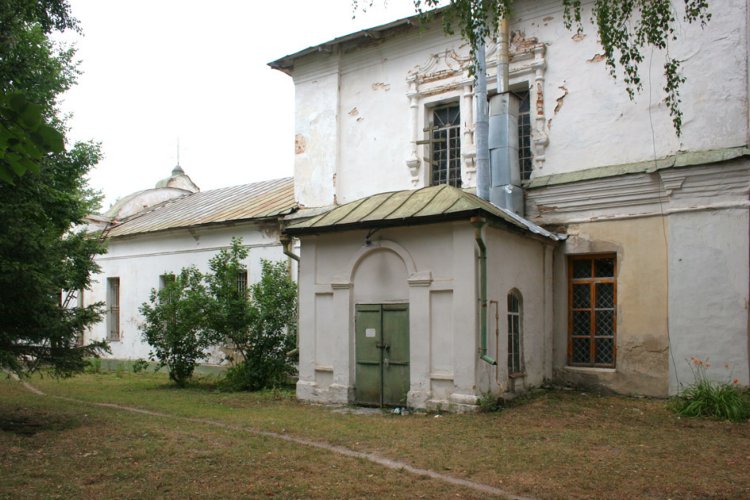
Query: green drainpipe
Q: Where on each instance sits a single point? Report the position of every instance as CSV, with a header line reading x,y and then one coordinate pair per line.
x,y
478,223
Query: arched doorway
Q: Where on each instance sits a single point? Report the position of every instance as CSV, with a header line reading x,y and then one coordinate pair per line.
x,y
381,329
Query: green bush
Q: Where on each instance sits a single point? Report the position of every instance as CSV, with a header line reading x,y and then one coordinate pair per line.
x,y
705,398
259,324
174,324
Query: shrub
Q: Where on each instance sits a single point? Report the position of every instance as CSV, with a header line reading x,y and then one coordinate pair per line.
x,y
260,325
174,324
705,398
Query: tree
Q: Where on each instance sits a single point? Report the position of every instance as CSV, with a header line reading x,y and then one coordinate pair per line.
x,y
33,72
259,326
40,251
174,324
625,27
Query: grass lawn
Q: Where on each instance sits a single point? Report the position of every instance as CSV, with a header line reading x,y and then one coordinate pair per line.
x,y
557,444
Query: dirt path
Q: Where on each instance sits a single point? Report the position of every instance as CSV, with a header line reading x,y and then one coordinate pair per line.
x,y
339,450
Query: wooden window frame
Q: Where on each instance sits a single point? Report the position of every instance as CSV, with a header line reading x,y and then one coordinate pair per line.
x,y
592,281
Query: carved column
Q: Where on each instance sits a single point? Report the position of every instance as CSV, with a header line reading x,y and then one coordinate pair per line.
x,y
468,150
539,134
413,162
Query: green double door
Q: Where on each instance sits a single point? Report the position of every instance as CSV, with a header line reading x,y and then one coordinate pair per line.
x,y
382,354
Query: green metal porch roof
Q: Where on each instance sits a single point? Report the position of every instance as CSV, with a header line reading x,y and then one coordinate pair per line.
x,y
404,208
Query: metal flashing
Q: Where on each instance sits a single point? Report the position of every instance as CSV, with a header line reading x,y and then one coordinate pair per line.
x,y
403,208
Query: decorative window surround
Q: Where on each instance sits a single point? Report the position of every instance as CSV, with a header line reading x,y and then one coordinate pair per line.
x,y
445,75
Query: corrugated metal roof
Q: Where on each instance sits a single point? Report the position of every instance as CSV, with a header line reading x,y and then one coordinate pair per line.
x,y
249,201
402,208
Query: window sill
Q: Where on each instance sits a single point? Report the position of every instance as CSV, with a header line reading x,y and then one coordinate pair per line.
x,y
517,375
589,369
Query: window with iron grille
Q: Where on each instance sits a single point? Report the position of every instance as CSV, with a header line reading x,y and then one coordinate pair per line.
x,y
592,321
113,309
445,139
524,134
242,282
515,356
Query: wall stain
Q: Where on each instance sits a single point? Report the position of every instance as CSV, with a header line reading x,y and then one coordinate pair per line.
x,y
381,86
597,58
299,144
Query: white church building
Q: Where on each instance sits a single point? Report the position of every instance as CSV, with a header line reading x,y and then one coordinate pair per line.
x,y
619,251
154,233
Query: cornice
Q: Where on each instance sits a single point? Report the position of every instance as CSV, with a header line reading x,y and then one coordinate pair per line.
x,y
668,190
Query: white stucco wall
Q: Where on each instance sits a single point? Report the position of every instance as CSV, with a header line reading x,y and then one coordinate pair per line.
x,y
521,264
434,269
139,261
708,295
354,123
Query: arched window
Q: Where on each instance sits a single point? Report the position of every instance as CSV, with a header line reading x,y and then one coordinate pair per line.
x,y
515,354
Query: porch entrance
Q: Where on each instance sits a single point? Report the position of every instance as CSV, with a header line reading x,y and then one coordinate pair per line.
x,y
382,354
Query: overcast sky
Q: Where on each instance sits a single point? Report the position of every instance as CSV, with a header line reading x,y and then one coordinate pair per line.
x,y
155,71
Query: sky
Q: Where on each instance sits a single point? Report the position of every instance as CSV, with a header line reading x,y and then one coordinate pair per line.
x,y
156,73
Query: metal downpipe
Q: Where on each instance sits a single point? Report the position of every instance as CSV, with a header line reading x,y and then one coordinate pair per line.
x,y
478,223
286,243
482,125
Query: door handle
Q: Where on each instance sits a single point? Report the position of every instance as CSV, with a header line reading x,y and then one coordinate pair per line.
x,y
387,347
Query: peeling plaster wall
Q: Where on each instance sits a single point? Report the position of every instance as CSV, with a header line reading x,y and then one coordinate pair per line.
x,y
353,116
641,338
316,132
139,261
593,123
708,294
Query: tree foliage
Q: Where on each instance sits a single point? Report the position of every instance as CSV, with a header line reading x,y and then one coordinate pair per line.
x,y
273,333
260,326
33,72
40,252
195,312
230,311
174,324
626,28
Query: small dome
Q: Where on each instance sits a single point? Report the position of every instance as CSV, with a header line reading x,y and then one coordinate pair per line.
x,y
179,179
